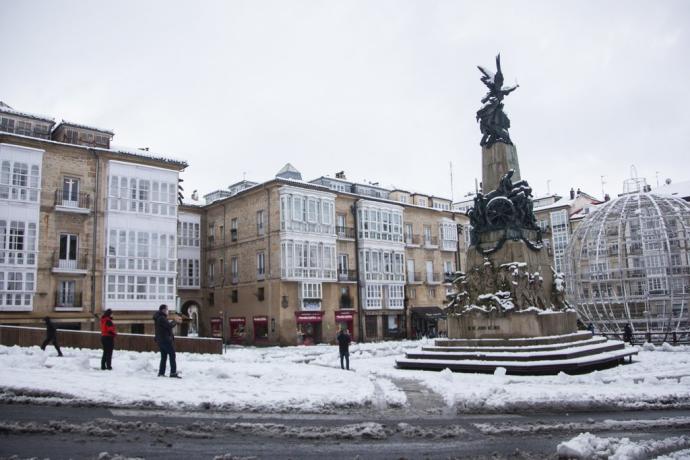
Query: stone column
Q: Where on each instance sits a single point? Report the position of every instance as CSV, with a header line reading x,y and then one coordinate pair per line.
x,y
498,159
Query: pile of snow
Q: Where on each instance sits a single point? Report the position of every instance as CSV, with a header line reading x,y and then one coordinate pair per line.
x,y
309,379
588,446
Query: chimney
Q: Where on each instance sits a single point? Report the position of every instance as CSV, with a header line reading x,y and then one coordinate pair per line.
x,y
340,175
607,197
572,193
578,191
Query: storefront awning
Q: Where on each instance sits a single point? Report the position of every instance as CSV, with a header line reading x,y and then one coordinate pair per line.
x,y
344,316
260,319
429,312
238,321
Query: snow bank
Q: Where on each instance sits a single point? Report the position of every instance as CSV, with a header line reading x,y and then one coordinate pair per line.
x,y
589,446
309,379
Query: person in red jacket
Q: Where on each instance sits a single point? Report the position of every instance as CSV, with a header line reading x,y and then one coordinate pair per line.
x,y
108,333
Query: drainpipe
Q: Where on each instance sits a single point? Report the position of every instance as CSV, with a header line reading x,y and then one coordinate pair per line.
x,y
94,237
268,267
359,286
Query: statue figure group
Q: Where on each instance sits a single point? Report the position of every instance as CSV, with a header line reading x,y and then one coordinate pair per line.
x,y
509,206
493,122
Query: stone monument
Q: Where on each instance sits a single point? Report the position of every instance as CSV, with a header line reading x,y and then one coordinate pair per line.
x,y
510,299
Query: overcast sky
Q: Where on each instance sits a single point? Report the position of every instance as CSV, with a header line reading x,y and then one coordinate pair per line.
x,y
385,90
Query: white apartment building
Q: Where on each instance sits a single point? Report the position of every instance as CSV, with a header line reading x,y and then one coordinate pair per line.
x,y
307,242
20,179
141,227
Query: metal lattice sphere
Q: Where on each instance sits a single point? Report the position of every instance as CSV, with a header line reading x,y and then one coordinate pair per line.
x,y
627,262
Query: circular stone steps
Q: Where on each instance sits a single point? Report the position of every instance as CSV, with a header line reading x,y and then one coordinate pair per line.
x,y
572,353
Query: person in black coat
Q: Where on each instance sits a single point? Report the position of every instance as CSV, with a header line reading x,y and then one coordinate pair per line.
x,y
165,340
51,336
344,340
628,334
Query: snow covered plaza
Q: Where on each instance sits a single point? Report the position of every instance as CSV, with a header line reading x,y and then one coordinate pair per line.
x,y
257,382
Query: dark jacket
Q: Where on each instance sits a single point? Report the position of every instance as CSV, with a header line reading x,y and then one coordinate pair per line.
x,y
164,328
51,330
344,340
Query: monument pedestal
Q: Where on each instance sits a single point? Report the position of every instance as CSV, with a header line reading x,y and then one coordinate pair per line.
x,y
497,159
511,324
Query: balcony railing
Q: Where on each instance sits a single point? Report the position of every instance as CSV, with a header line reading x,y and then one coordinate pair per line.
x,y
345,232
414,277
81,202
412,240
347,275
80,264
260,275
434,278
430,241
67,300
233,234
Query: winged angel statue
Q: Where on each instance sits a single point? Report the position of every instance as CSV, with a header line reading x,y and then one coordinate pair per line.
x,y
493,122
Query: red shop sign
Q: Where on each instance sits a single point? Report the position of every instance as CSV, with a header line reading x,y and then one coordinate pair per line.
x,y
238,321
308,317
344,316
261,319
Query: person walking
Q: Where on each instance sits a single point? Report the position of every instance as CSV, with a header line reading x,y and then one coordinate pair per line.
x,y
344,340
628,334
51,335
108,333
165,340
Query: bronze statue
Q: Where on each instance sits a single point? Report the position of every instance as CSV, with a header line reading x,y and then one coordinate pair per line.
x,y
493,122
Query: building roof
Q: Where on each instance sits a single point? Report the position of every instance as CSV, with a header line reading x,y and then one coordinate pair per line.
x,y
83,126
4,108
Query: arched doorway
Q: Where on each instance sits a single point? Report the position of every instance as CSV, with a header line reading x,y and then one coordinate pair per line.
x,y
191,310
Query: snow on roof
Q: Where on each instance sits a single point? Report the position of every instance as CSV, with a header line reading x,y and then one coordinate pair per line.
x,y
678,190
557,204
146,154
287,168
4,108
83,126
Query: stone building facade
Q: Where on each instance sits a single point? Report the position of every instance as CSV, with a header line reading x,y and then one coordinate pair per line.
x,y
86,226
78,223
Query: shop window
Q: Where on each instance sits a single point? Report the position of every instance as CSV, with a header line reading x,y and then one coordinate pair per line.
x,y
260,328
234,296
137,328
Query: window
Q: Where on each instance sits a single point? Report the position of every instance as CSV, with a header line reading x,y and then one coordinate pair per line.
x,y
311,290
408,234
431,292
380,224
342,264
221,231
70,192
427,235
68,251
66,295
234,270
260,265
396,295
308,259
260,294
306,213
188,272
211,232
144,196
371,326
211,272
234,296
233,229
412,292
373,296
421,201
260,223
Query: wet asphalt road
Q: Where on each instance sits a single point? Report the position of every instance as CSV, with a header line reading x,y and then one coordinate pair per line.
x,y
84,432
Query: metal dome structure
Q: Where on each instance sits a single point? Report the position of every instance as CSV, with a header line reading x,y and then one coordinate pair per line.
x,y
627,262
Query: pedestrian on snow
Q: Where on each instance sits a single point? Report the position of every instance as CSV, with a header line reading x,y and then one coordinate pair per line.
x,y
628,334
590,328
51,335
165,340
344,340
108,333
